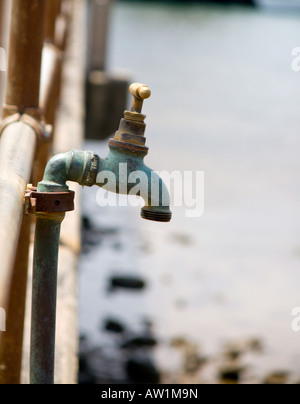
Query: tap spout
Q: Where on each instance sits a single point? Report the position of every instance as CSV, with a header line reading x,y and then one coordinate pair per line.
x,y
124,172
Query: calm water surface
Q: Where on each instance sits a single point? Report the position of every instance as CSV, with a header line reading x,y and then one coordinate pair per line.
x,y
225,101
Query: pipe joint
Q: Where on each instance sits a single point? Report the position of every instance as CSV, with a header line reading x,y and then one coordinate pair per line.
x,y
76,166
30,118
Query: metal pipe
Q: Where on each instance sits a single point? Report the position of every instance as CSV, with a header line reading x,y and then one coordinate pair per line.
x,y
4,12
53,9
77,166
50,79
44,288
74,166
63,24
17,149
26,43
99,16
51,61
56,30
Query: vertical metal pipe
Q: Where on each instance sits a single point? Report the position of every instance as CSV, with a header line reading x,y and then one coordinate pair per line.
x,y
57,23
99,14
26,42
53,9
44,289
51,67
55,32
4,22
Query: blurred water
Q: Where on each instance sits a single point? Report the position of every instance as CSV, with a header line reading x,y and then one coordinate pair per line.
x,y
225,101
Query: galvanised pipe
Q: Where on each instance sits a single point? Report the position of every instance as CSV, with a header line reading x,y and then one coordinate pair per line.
x,y
26,43
44,289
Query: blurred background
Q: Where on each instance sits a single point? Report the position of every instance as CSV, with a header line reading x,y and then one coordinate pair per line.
x,y
208,299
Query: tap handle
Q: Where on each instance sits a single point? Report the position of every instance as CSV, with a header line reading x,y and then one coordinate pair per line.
x,y
140,92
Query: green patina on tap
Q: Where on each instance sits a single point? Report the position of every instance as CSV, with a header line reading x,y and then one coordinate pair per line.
x,y
125,163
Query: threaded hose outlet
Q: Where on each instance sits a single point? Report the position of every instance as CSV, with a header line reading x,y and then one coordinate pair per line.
x,y
156,215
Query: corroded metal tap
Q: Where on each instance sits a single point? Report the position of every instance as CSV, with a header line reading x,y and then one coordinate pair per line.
x,y
123,172
125,164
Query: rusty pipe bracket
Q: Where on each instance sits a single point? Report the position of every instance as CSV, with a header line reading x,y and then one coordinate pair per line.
x,y
47,202
31,118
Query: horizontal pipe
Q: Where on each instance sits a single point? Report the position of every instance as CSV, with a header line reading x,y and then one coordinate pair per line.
x,y
17,149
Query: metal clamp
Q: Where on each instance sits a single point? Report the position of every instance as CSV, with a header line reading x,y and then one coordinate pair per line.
x,y
47,202
41,128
